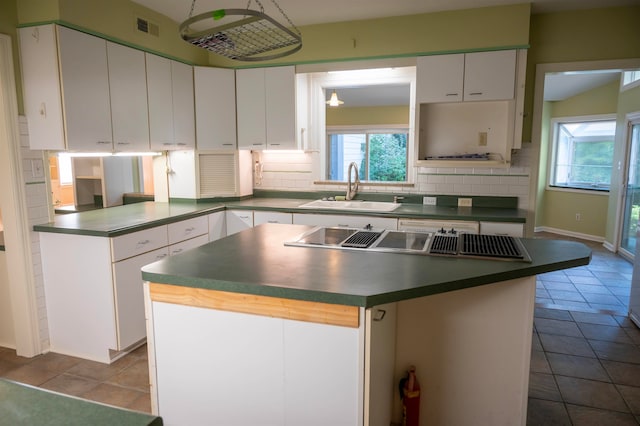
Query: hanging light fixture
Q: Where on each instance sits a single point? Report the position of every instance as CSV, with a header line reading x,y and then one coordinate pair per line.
x,y
334,101
254,37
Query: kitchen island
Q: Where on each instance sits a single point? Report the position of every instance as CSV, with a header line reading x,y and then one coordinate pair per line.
x,y
246,330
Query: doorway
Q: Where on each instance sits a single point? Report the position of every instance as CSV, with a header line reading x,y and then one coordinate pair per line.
x,y
631,192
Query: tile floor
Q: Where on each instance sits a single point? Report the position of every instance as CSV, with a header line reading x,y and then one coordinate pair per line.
x,y
585,364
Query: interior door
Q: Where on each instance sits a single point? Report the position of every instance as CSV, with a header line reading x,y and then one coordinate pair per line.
x,y
631,195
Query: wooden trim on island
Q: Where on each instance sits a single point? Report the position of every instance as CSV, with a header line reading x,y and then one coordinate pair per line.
x,y
300,310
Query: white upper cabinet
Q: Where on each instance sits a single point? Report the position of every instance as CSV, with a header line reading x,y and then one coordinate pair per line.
x,y
266,108
489,76
171,105
215,99
480,76
440,78
128,89
83,93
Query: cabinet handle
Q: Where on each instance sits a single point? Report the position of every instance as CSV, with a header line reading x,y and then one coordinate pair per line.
x,y
123,143
272,221
176,251
181,144
227,144
475,93
343,225
256,144
144,242
274,144
451,94
188,230
167,143
379,315
104,142
161,256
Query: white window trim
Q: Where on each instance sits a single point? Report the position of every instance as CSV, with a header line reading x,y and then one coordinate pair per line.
x,y
553,123
629,86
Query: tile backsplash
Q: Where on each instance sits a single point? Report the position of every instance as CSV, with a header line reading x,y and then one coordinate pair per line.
x,y
300,171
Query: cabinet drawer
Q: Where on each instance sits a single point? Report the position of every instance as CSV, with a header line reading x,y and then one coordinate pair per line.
x,y
139,242
183,230
188,244
271,217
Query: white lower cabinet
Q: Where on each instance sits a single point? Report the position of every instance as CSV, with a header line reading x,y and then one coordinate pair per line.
x,y
306,373
502,228
93,284
344,221
238,220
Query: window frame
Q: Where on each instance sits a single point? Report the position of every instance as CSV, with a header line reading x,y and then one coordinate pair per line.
x,y
554,126
367,130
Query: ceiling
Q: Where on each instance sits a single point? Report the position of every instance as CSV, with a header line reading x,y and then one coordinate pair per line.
x,y
560,86
307,12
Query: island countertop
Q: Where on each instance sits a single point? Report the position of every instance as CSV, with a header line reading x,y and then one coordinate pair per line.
x,y
256,261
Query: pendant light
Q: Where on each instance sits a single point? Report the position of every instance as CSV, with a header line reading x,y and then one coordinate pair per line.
x,y
334,101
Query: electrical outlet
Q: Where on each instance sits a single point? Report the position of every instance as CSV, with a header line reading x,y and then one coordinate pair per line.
x,y
465,202
482,138
429,201
37,168
578,217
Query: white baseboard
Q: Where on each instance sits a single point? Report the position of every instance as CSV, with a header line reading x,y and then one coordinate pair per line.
x,y
574,235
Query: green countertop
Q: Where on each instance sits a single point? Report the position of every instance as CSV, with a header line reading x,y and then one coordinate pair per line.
x,y
256,261
114,221
26,405
1,241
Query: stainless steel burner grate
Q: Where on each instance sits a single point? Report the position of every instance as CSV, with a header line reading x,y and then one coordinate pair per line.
x,y
361,239
444,244
491,245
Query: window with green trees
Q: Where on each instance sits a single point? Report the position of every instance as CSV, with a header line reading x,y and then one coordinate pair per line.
x,y
381,155
582,154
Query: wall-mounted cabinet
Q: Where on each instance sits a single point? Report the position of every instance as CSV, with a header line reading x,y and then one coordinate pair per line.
x,y
171,104
470,108
266,108
82,93
215,99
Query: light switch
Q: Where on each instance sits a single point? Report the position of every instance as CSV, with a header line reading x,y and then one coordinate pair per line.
x,y
37,168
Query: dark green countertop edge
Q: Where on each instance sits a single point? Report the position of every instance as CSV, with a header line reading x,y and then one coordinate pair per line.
x,y
490,209
22,404
2,248
354,300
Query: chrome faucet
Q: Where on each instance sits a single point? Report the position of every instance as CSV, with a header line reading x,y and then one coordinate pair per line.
x,y
352,190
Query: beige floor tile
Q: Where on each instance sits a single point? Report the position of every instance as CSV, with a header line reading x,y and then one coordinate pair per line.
x,y
55,362
112,395
31,374
99,371
70,385
135,376
142,403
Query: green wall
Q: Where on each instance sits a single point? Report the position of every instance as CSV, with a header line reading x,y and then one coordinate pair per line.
x,y
557,209
382,115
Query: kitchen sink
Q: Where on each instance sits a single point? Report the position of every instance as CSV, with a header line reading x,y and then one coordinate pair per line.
x,y
357,205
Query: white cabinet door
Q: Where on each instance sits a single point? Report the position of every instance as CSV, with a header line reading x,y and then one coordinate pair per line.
x,y
344,221
322,363
128,92
502,228
184,131
84,76
489,75
217,226
207,377
129,297
41,80
251,108
439,78
260,217
215,99
266,106
238,220
160,102
281,107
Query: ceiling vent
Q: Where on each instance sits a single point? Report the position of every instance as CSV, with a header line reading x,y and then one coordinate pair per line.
x,y
147,27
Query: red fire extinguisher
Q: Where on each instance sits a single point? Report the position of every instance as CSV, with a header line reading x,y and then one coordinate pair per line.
x,y
410,394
